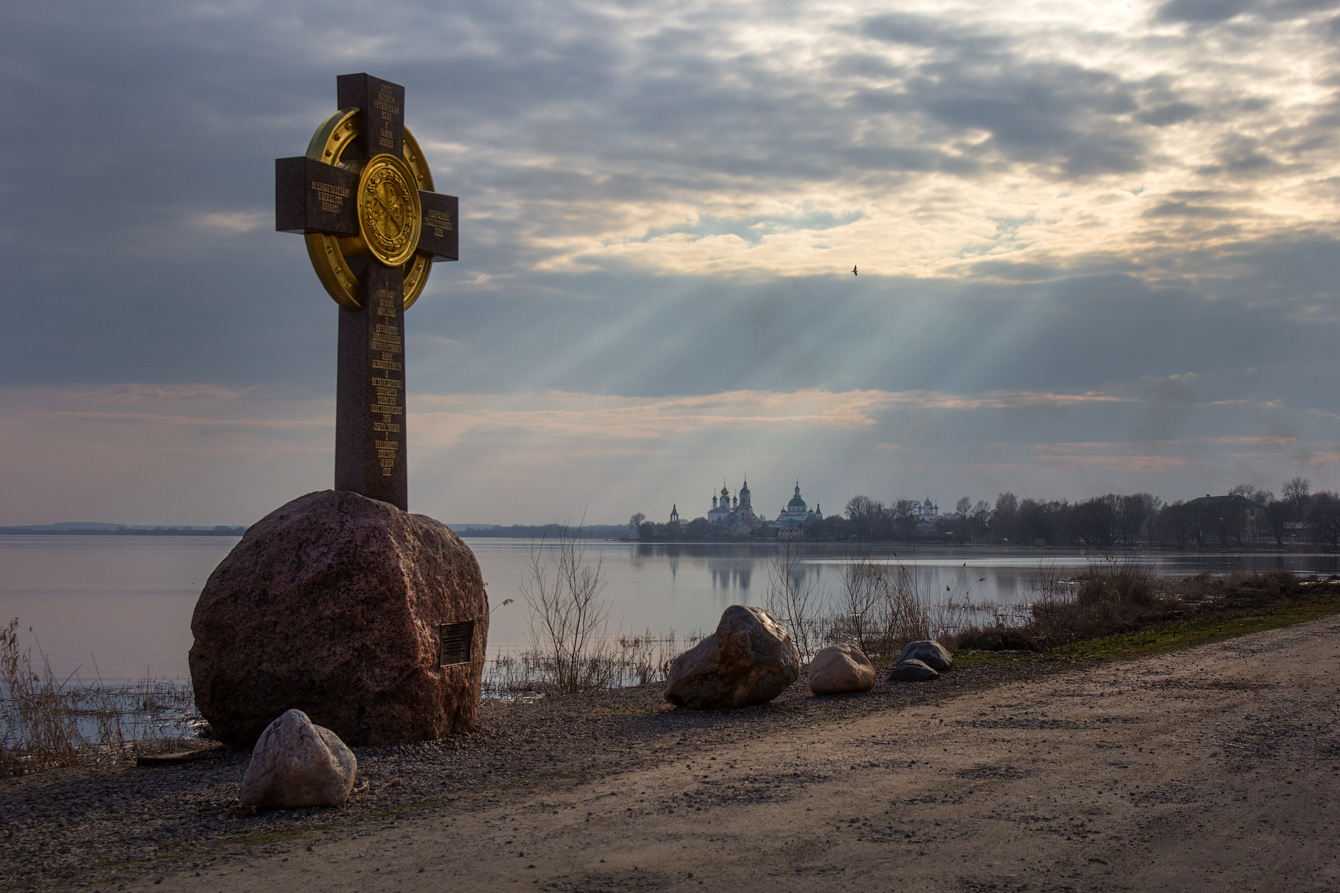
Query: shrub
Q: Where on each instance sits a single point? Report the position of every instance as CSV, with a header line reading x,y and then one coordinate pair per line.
x,y
568,616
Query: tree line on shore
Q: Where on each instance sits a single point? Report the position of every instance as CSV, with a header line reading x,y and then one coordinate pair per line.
x,y
1245,515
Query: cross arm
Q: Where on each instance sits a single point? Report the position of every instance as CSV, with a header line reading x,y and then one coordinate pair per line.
x,y
438,236
314,197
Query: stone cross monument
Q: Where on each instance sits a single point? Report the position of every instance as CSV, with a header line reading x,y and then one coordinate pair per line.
x,y
363,198
339,603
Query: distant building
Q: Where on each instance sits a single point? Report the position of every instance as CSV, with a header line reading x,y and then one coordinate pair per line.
x,y
928,512
1236,516
791,521
735,515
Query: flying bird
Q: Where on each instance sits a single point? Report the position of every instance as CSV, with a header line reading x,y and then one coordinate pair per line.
x,y
853,271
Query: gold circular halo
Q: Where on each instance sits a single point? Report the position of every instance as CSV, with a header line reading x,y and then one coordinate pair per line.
x,y
389,215
327,254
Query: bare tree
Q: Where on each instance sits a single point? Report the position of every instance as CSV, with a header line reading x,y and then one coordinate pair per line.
x,y
1176,522
863,513
567,615
793,598
960,523
980,519
1255,494
1325,517
1277,515
1005,518
1134,512
904,519
1095,521
860,587
1296,490
1042,520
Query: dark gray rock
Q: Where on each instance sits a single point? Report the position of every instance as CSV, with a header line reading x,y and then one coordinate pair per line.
x,y
930,653
912,671
750,659
296,765
332,605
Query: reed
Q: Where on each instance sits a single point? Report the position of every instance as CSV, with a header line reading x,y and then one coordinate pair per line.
x,y
48,721
630,659
882,606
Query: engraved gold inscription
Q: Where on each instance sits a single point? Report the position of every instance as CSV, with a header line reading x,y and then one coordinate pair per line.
x,y
385,104
385,339
331,196
437,221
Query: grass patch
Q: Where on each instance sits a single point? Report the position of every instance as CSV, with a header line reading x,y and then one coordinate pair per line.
x,y
1188,634
630,659
1116,612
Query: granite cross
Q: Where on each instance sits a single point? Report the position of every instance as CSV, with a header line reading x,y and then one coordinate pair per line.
x,y
363,198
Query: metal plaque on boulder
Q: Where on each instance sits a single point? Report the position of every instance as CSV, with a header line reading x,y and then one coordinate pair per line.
x,y
456,638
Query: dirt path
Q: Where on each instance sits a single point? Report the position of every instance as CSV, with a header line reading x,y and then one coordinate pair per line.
x,y
1211,769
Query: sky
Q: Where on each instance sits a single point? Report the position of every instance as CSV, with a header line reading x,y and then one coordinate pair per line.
x,y
1097,252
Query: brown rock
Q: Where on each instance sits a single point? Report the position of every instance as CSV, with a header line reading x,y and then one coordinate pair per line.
x,y
911,670
296,765
841,668
332,605
930,653
750,659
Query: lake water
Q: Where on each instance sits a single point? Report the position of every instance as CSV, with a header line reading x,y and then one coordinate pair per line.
x,y
123,604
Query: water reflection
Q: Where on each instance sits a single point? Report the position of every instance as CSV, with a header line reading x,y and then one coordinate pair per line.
x,y
684,586
126,602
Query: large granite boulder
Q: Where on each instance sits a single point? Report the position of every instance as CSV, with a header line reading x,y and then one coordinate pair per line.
x,y
296,764
838,669
930,653
750,659
335,604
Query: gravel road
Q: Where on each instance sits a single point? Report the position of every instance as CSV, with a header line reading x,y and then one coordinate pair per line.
x,y
1211,768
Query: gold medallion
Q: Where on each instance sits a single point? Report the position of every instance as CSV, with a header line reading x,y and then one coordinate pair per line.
x,y
389,215
328,252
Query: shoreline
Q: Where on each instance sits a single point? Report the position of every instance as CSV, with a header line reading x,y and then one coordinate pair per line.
x,y
541,766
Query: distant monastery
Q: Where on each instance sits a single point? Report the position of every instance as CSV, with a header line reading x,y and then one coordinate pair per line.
x,y
735,514
928,512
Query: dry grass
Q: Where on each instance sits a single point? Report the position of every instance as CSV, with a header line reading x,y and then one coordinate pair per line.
x,y
632,659
883,607
48,722
1117,598
1103,600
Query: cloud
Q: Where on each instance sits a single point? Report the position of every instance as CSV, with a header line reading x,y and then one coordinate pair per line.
x,y
1203,11
1056,211
234,222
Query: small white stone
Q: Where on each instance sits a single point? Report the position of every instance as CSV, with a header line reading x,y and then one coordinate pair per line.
x,y
840,668
297,764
